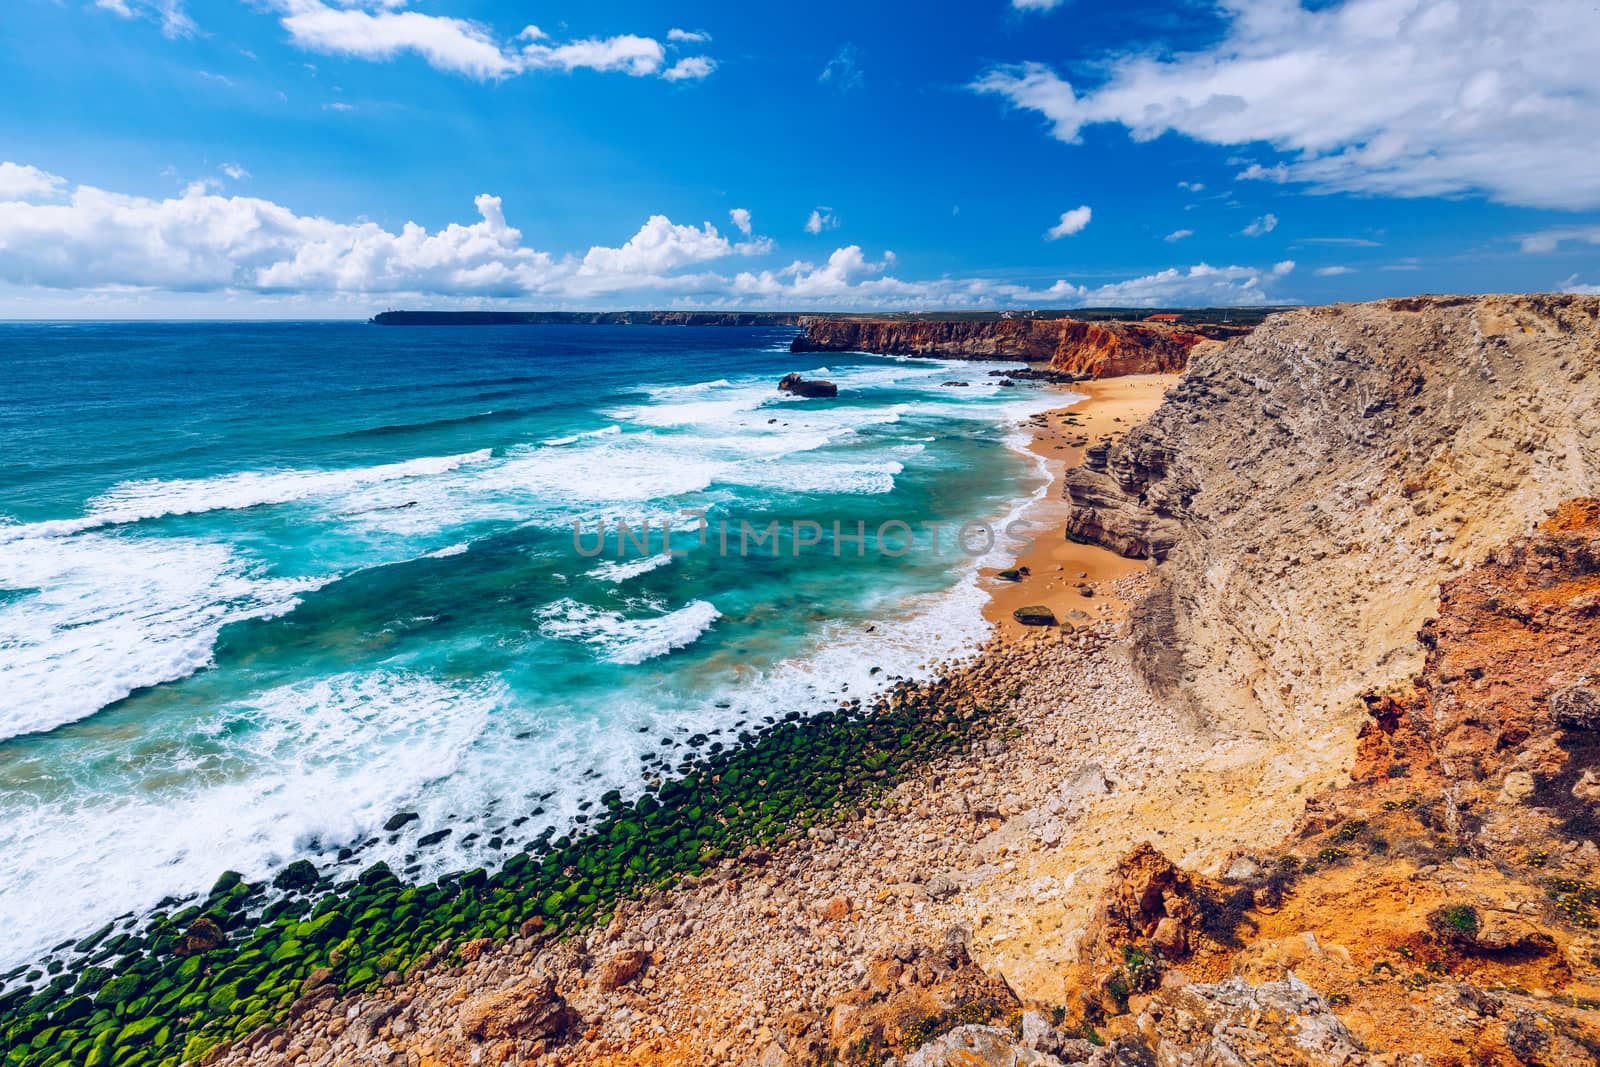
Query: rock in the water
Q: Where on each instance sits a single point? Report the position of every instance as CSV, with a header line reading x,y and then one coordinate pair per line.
x,y
794,384
203,936
299,875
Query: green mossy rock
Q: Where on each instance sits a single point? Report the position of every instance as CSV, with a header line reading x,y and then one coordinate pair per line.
x,y
299,876
138,1032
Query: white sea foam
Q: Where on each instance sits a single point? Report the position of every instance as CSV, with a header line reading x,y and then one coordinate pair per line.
x,y
860,479
252,787
620,639
572,439
621,570
138,501
99,616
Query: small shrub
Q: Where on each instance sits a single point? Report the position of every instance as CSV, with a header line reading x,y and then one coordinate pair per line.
x,y
1456,921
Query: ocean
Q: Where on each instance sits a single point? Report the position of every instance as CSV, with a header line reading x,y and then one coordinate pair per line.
x,y
264,587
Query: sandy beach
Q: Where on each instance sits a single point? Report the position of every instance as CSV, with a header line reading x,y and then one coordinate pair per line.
x,y
1057,572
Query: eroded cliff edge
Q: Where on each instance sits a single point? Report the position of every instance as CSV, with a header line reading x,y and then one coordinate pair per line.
x,y
1068,346
1309,486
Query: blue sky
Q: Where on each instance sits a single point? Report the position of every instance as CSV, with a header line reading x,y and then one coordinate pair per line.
x,y
289,158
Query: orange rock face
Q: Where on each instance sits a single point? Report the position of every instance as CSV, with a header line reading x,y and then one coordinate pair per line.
x,y
1068,346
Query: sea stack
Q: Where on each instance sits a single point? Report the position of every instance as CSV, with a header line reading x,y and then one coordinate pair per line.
x,y
813,388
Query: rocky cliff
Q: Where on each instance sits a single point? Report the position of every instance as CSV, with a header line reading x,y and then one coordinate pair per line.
x,y
1069,346
1309,486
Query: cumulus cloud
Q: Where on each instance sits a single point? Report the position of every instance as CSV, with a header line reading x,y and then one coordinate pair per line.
x,y
199,241
628,53
740,217
86,240
850,280
1071,222
168,14
1192,187
678,36
378,30
661,247
690,68
1265,224
1572,286
235,171
20,182
1177,235
822,219
1396,97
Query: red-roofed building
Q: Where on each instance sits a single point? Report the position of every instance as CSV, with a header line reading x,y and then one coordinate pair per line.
x,y
1165,316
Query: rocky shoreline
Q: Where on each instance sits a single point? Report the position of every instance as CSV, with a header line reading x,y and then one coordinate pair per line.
x,y
1253,807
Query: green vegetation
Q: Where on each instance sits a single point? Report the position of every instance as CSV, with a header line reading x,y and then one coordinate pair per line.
x,y
131,1000
1456,921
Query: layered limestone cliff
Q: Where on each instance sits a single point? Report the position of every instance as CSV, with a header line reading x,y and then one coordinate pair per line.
x,y
1309,486
1069,346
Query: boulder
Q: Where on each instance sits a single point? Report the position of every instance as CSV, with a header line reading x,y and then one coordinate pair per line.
x,y
531,1009
812,388
621,969
202,936
979,1046
1035,615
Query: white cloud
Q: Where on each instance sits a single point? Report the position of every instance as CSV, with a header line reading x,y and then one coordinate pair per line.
x,y
447,44
740,217
1177,235
1550,240
235,171
678,36
1572,286
1347,242
850,280
245,251
1396,97
375,30
200,241
690,68
1071,222
822,219
21,182
170,14
1265,224
1036,5
1192,187
660,246
1333,272
631,54
843,71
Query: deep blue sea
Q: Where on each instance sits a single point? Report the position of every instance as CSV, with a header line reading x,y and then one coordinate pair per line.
x,y
263,586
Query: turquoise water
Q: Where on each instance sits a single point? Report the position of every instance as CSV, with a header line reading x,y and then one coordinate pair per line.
x,y
264,586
